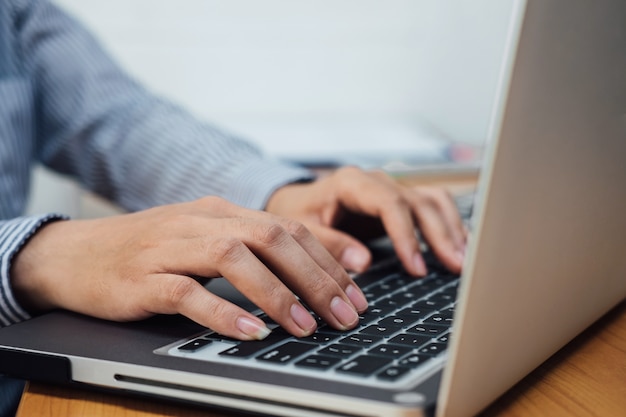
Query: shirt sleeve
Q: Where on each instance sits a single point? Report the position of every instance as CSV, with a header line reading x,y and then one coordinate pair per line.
x,y
97,124
13,234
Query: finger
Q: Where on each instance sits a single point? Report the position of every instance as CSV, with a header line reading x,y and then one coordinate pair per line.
x,y
309,270
290,247
236,262
399,223
233,250
441,229
177,294
304,238
350,252
452,217
224,253
383,199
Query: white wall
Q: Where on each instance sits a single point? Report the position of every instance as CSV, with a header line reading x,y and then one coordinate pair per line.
x,y
272,69
240,61
52,193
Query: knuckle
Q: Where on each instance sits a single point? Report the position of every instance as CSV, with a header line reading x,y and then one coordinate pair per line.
x,y
427,197
275,291
219,312
276,298
296,229
319,292
271,235
227,250
349,172
178,291
214,202
395,200
319,286
439,193
337,272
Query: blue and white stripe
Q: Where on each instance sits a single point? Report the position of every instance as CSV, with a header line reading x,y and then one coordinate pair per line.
x,y
13,234
66,104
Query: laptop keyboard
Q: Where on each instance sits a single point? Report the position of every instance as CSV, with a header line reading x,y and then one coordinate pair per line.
x,y
406,326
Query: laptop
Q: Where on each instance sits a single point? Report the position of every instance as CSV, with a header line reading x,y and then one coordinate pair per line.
x,y
545,260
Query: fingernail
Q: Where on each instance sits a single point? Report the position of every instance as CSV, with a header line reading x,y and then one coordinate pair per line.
x,y
460,254
354,259
418,263
303,319
256,329
343,312
356,297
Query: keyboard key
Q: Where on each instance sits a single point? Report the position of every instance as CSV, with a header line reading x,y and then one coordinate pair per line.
x,y
451,290
409,339
415,313
429,330
216,337
253,347
399,280
363,340
413,360
374,292
374,313
286,353
326,329
444,338
441,279
318,362
433,349
447,311
340,350
397,320
393,373
406,297
364,365
431,304
390,302
268,320
320,337
379,330
394,351
439,319
194,345
443,297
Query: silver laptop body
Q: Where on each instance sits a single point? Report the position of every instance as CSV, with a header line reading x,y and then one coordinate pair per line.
x,y
546,257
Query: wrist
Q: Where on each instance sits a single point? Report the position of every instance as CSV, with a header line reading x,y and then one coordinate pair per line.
x,y
282,199
28,269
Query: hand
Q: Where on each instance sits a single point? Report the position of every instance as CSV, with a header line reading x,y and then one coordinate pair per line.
x,y
133,266
352,204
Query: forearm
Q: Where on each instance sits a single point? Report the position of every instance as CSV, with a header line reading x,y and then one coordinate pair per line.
x,y
150,257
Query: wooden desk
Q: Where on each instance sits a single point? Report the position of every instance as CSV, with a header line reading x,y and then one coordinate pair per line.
x,y
586,378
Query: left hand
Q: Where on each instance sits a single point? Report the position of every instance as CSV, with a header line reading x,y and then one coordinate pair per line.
x,y
351,205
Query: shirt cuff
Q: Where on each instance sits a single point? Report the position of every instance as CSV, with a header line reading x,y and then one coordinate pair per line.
x,y
14,234
260,179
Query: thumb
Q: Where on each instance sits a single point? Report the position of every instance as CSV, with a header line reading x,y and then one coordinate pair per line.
x,y
348,251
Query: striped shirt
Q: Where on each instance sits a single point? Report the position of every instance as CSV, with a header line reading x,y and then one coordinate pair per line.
x,y
66,104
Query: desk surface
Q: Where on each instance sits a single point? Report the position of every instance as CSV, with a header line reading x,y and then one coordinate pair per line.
x,y
586,378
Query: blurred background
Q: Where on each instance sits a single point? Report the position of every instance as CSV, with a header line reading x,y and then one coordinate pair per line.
x,y
370,81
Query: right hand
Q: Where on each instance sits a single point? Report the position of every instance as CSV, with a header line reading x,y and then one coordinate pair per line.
x,y
132,266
